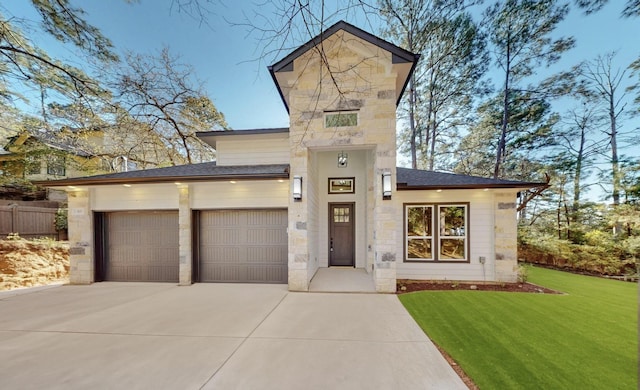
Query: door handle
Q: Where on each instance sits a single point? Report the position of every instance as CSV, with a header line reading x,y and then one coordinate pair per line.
x,y
331,244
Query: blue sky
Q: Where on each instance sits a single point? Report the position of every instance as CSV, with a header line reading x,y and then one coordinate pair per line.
x,y
226,57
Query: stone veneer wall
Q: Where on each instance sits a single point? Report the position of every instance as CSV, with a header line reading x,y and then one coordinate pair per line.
x,y
367,85
506,236
184,235
80,238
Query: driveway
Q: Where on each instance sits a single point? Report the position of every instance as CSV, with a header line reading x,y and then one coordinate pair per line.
x,y
212,336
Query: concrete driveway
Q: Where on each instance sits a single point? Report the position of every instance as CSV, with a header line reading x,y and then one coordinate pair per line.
x,y
212,336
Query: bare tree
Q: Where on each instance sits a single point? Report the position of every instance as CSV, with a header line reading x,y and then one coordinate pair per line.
x,y
162,93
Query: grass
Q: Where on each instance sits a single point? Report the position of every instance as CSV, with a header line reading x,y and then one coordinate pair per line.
x,y
586,339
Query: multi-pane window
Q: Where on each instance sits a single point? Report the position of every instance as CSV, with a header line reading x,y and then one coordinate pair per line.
x,y
340,119
419,233
341,214
32,165
436,232
56,166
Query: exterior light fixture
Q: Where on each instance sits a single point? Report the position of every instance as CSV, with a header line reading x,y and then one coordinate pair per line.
x,y
386,185
297,188
342,160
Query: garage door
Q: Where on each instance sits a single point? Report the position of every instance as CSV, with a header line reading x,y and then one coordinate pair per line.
x,y
248,246
142,246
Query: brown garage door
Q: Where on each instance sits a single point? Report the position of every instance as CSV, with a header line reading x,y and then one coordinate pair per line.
x,y
248,246
142,246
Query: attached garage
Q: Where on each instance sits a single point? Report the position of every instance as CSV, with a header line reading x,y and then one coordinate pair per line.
x,y
137,246
244,246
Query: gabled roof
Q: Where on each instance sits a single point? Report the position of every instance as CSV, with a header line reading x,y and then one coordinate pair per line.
x,y
416,179
180,173
398,54
46,139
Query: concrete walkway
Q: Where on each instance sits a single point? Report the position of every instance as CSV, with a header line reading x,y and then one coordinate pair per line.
x,y
213,336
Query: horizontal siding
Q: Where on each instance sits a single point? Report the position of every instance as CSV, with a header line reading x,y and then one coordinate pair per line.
x,y
242,194
268,151
136,197
480,234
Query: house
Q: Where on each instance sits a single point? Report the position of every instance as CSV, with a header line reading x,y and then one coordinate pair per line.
x,y
68,153
280,203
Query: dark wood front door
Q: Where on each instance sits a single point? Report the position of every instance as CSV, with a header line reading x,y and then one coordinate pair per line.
x,y
341,234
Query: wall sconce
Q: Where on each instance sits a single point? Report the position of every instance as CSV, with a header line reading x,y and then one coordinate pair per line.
x,y
342,160
386,185
297,188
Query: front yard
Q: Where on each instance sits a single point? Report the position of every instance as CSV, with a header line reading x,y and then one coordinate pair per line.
x,y
585,339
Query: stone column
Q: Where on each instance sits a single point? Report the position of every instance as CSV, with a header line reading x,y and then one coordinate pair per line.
x,y
385,223
506,236
82,265
185,235
298,218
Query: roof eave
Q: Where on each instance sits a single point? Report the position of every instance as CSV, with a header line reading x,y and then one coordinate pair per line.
x,y
405,187
153,180
275,81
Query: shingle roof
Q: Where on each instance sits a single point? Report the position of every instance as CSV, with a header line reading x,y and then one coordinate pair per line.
x,y
191,172
408,179
416,179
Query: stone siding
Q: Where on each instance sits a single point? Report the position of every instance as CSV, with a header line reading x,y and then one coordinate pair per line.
x,y
506,235
367,86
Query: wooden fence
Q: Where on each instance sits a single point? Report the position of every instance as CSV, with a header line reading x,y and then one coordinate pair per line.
x,y
28,221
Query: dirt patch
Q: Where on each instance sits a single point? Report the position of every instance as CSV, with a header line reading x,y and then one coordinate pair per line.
x,y
406,286
29,263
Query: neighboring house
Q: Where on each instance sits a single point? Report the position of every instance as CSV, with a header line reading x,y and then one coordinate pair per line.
x,y
69,153
280,203
41,158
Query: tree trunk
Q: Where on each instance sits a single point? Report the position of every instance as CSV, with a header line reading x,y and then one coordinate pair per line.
x,y
505,114
432,152
412,122
578,174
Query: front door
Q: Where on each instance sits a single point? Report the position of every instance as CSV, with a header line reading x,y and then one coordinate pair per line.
x,y
341,234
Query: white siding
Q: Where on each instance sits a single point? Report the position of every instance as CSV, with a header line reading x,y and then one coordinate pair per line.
x,y
481,236
242,194
264,151
136,197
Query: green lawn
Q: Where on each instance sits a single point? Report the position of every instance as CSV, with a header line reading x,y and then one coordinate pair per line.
x,y
586,339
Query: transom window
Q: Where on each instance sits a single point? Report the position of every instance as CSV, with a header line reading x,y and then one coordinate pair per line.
x,y
341,119
436,232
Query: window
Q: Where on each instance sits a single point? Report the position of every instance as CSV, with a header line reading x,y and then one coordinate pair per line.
x,y
340,119
436,232
341,214
56,166
32,165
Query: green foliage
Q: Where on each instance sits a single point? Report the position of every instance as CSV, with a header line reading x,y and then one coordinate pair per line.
x,y
61,221
523,273
586,339
598,254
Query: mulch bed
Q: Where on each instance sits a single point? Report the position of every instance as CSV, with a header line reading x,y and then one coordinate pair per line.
x,y
406,286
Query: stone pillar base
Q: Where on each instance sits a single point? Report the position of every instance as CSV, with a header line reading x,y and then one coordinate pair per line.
x,y
298,280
